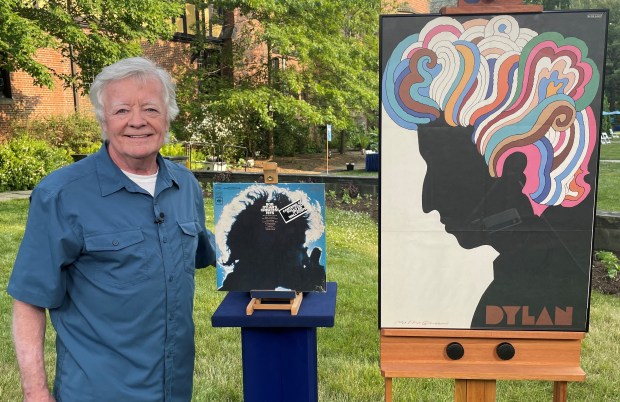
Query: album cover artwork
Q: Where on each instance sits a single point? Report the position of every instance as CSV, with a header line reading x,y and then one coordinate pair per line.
x,y
489,139
270,236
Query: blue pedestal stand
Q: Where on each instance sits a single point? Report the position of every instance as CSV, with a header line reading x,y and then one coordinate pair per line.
x,y
279,349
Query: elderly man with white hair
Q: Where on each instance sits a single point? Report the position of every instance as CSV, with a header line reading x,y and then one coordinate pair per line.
x,y
110,251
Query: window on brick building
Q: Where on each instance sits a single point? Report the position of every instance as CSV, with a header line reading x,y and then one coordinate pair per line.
x,y
215,23
89,72
209,60
194,21
278,63
5,84
189,24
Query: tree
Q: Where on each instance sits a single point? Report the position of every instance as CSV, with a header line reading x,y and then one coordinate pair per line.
x,y
91,33
314,63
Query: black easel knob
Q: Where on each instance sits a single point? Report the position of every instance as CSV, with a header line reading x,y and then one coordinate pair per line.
x,y
505,351
455,350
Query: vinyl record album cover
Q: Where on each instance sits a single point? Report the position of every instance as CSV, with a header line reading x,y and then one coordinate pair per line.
x,y
270,236
489,160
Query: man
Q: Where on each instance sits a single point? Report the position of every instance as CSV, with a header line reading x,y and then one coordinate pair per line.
x,y
110,250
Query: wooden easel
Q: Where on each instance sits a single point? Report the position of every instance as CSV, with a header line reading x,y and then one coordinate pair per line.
x,y
476,359
270,172
273,299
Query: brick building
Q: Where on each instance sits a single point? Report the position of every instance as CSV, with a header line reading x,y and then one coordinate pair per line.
x,y
21,99
414,6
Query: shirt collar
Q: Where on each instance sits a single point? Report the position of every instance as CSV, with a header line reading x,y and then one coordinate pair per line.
x,y
111,178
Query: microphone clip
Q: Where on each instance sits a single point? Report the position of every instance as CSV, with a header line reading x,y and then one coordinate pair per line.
x,y
159,219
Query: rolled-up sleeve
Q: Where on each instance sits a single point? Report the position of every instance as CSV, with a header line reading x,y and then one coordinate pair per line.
x,y
48,248
205,255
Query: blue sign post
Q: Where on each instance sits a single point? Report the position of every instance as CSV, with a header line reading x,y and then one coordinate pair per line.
x,y
329,138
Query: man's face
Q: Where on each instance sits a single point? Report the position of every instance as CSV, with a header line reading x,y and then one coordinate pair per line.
x,y
135,122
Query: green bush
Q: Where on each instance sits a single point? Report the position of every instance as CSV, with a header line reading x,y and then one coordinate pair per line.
x,y
285,144
173,149
89,149
610,262
74,132
24,161
360,138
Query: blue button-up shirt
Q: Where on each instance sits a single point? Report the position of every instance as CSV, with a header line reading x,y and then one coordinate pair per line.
x,y
117,277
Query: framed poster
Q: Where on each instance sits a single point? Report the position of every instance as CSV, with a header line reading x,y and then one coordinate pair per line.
x,y
270,236
489,160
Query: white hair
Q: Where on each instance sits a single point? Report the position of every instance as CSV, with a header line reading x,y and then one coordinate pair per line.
x,y
139,68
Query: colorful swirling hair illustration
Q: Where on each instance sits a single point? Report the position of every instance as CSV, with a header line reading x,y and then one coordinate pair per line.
x,y
519,90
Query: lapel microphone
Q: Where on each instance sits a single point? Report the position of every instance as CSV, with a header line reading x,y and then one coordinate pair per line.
x,y
159,219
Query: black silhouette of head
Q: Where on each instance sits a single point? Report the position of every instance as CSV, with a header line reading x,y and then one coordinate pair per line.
x,y
475,207
266,251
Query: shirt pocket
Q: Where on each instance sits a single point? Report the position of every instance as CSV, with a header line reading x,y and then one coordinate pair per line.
x,y
117,258
189,241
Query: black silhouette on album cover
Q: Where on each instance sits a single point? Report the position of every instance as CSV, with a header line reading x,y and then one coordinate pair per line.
x,y
267,247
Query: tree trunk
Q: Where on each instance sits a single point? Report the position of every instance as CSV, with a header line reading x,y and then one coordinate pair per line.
x,y
270,144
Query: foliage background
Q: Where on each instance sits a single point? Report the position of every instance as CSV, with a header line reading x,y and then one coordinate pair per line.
x,y
331,77
93,34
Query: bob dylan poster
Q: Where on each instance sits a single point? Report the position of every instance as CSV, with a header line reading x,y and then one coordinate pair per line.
x,y
270,236
489,159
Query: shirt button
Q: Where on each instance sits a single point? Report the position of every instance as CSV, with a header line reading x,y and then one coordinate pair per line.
x,y
170,278
115,242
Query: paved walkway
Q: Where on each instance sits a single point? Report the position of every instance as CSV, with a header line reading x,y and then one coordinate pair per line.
x,y
14,195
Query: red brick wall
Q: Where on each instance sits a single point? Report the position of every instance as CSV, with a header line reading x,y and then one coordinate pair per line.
x,y
407,6
420,6
172,56
29,100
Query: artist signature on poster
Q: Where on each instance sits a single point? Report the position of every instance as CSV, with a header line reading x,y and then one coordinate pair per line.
x,y
422,323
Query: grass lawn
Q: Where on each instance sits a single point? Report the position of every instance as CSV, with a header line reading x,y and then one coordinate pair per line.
x,y
611,151
348,354
608,194
357,172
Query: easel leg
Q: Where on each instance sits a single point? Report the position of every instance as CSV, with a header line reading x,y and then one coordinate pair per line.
x,y
474,391
388,389
560,391
460,390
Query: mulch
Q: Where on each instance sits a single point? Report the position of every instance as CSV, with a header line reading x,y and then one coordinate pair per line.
x,y
314,163
602,282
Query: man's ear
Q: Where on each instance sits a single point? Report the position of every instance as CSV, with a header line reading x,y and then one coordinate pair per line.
x,y
104,128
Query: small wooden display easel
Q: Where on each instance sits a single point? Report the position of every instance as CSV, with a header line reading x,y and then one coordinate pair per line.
x,y
270,172
273,299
